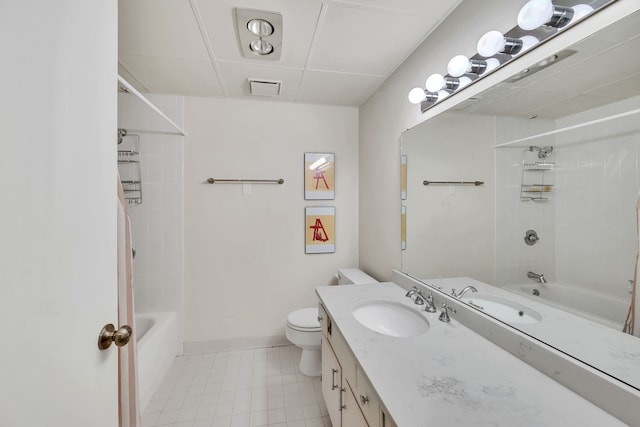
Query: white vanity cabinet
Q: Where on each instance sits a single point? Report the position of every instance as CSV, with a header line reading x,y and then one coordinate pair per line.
x,y
350,398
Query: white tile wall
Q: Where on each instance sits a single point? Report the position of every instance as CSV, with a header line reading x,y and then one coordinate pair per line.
x,y
588,230
157,222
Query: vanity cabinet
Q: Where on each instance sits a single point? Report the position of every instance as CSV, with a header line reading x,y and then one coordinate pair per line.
x,y
350,398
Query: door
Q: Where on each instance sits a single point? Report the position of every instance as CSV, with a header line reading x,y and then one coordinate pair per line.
x,y
331,383
58,212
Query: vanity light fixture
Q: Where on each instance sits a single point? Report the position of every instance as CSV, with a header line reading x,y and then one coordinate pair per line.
x,y
461,65
494,42
418,95
537,13
437,82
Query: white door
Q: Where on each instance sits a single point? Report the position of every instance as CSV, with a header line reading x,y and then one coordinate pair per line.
x,y
57,212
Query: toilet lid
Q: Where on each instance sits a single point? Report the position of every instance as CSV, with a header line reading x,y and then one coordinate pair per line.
x,y
305,318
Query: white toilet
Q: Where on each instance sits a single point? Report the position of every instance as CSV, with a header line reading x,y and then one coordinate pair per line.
x,y
303,327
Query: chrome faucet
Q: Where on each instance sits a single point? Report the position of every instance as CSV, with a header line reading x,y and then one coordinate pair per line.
x,y
427,301
411,292
539,277
462,292
444,316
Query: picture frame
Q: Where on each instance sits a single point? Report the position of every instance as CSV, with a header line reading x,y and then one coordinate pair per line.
x,y
403,228
403,176
319,176
320,229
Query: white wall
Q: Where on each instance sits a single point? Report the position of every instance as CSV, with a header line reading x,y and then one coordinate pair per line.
x,y
157,223
450,228
388,113
245,266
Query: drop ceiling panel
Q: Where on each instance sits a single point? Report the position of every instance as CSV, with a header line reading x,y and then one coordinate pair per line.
x,y
174,75
299,22
320,87
426,8
235,75
159,28
363,40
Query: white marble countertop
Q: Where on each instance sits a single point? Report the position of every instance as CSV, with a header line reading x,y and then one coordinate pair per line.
x,y
451,376
616,354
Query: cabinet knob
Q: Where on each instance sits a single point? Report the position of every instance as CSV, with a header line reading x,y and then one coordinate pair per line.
x,y
319,318
364,399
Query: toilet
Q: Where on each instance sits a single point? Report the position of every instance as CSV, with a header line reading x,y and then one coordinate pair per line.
x,y
303,327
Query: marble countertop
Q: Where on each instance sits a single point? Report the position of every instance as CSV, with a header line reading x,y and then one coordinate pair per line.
x,y
451,376
616,354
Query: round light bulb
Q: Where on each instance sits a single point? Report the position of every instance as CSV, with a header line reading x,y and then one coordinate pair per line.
x,y
435,82
491,43
492,64
528,41
260,27
458,66
416,95
534,14
442,94
463,81
580,11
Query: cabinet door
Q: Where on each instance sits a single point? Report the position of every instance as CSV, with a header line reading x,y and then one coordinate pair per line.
x,y
351,415
331,377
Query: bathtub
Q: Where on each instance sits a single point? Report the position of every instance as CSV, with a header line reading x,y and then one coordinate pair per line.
x,y
597,307
157,341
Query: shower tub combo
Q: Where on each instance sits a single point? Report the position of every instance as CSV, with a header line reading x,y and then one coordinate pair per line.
x,y
597,307
157,340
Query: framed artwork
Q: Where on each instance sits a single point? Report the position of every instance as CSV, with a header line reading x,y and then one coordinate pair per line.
x,y
403,227
320,225
319,176
403,176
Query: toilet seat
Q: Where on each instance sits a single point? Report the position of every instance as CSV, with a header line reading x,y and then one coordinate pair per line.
x,y
304,320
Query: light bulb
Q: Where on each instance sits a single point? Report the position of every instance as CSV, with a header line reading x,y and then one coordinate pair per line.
x,y
463,81
491,43
534,14
581,10
527,42
435,82
416,95
492,64
458,66
261,47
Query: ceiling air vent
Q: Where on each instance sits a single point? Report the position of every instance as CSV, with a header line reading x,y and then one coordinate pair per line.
x,y
264,87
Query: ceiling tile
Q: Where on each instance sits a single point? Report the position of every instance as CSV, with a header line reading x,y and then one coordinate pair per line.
x,y
364,40
320,87
182,76
160,28
427,8
235,76
299,22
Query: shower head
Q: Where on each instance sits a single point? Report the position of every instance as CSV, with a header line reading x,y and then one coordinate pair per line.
x,y
544,152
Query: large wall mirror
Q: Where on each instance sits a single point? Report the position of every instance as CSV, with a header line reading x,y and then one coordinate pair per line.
x,y
551,158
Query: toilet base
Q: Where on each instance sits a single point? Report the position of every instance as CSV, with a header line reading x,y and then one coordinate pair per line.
x,y
311,362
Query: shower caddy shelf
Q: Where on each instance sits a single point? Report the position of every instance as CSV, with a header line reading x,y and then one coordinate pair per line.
x,y
130,172
533,185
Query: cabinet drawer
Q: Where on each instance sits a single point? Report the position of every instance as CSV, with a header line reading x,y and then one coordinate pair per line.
x,y
325,321
367,398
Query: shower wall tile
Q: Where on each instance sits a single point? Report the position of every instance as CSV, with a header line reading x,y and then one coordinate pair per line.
x,y
157,222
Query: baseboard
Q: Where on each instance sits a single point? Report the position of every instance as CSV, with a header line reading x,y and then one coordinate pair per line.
x,y
212,346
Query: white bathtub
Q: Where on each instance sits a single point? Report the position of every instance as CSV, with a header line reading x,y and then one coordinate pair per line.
x,y
157,340
594,306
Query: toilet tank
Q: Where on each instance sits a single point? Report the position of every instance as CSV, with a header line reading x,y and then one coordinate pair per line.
x,y
348,276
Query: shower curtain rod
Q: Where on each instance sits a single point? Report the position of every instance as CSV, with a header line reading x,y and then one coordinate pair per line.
x,y
135,92
568,128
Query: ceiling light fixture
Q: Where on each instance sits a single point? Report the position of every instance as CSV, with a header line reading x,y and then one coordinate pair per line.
x,y
260,27
261,47
259,33
537,13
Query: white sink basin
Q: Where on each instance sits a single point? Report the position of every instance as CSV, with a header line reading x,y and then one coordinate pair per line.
x,y
391,318
502,308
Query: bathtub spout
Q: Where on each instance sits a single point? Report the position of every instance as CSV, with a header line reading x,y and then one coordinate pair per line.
x,y
539,277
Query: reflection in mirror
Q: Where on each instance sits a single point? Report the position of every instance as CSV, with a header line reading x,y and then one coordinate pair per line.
x,y
554,227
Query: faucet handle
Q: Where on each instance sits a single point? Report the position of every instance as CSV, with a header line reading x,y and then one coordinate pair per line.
x,y
444,316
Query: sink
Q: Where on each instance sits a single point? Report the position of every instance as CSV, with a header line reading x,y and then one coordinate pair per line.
x,y
391,318
503,308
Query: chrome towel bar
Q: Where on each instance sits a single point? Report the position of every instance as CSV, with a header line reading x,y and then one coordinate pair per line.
x,y
245,181
476,183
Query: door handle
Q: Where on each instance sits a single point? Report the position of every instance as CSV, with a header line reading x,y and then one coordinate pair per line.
x,y
109,335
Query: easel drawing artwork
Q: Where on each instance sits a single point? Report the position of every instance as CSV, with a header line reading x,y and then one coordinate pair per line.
x,y
319,176
320,229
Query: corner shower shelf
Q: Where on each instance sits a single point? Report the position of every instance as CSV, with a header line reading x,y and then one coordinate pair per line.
x,y
533,185
130,175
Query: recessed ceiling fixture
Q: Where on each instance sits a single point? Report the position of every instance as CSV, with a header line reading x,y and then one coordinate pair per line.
x,y
259,33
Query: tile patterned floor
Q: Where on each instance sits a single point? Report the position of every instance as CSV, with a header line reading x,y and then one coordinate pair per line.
x,y
244,388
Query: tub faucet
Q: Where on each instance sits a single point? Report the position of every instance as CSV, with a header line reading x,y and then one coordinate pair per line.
x,y
539,277
462,292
